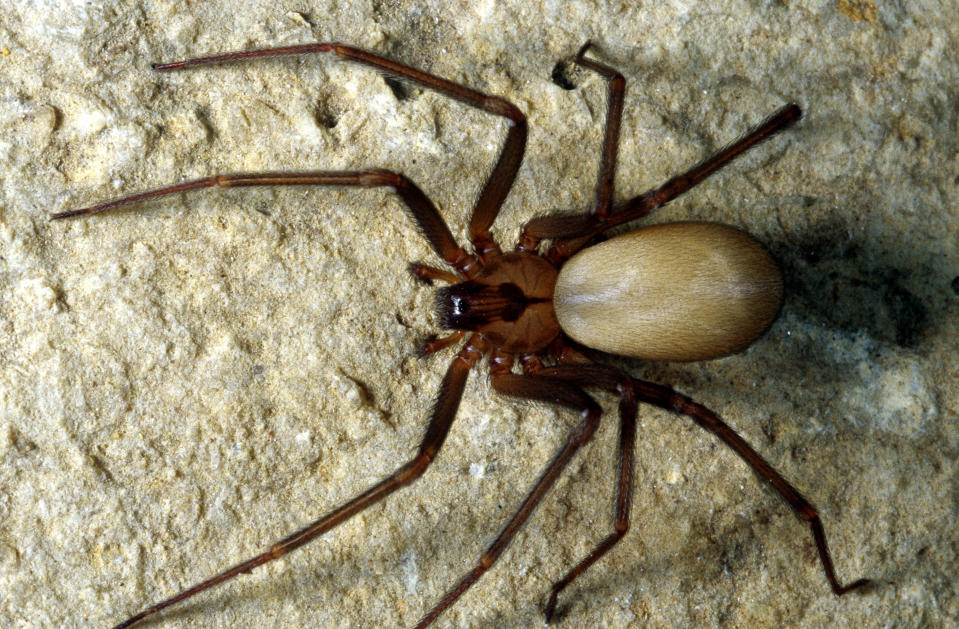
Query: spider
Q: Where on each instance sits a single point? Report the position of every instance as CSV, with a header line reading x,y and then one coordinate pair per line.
x,y
678,291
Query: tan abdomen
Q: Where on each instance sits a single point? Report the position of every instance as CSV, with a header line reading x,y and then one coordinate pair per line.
x,y
677,291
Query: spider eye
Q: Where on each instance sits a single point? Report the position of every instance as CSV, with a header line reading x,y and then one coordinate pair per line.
x,y
459,306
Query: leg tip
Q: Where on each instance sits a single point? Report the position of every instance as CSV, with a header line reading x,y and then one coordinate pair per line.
x,y
550,610
856,585
59,216
427,347
419,272
159,67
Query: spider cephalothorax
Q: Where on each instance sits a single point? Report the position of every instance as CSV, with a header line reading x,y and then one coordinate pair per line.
x,y
510,301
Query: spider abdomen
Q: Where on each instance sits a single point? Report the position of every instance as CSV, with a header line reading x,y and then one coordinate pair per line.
x,y
676,291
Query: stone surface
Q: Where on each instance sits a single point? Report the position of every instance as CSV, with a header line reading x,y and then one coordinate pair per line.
x,y
186,381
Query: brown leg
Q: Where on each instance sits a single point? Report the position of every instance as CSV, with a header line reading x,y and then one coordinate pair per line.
x,y
614,381
614,116
443,413
642,205
573,232
436,344
563,224
429,273
424,213
546,390
666,398
504,172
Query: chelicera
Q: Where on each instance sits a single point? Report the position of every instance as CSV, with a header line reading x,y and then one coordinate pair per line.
x,y
678,291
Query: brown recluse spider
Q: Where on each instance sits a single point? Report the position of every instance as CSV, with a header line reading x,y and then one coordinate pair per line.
x,y
540,310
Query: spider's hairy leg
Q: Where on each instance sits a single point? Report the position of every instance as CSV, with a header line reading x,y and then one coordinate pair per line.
x,y
429,273
444,411
424,213
503,174
613,381
666,398
573,232
545,389
614,117
438,343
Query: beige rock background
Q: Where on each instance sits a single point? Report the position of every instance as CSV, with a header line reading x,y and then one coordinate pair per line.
x,y
184,382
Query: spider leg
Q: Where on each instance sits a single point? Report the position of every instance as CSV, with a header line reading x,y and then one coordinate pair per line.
x,y
614,117
428,273
444,411
572,232
424,213
666,398
614,381
545,389
504,172
645,203
436,344
546,226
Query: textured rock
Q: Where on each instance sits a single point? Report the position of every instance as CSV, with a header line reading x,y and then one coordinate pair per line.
x,y
186,381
